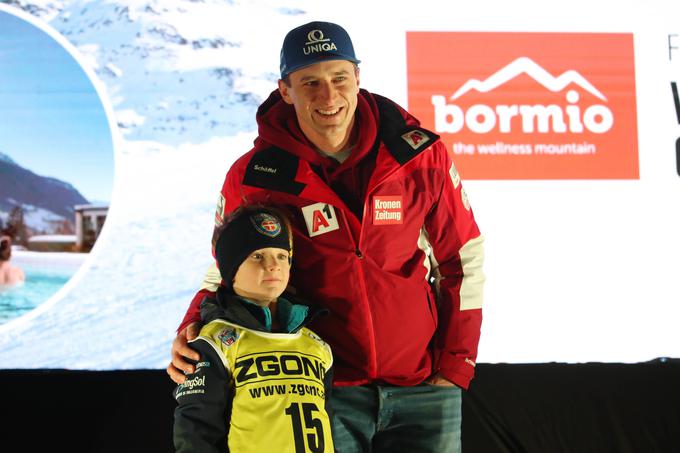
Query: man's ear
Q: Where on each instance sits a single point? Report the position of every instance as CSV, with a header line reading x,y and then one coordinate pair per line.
x,y
356,73
283,89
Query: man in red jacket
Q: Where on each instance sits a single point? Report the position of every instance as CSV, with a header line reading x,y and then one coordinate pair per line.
x,y
384,237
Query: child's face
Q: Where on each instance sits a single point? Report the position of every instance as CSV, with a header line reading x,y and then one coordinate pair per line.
x,y
263,275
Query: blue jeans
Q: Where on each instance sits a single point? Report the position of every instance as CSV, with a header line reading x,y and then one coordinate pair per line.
x,y
377,418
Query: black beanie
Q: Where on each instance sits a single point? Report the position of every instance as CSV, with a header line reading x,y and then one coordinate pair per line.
x,y
247,231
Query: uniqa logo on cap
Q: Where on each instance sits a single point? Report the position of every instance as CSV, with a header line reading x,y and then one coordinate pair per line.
x,y
317,43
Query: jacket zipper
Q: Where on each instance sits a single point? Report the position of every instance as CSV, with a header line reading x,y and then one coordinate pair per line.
x,y
372,372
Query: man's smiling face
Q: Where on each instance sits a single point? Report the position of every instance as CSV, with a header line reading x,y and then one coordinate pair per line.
x,y
325,99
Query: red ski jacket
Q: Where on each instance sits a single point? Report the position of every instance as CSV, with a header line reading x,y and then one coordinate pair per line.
x,y
385,240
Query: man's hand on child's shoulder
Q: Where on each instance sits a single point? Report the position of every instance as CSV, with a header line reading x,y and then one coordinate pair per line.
x,y
179,367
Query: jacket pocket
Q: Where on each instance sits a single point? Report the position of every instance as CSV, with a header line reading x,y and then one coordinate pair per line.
x,y
432,306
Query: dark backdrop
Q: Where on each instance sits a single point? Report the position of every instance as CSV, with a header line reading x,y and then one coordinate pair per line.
x,y
541,408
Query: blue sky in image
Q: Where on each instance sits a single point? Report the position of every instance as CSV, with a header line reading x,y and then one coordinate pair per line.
x,y
52,121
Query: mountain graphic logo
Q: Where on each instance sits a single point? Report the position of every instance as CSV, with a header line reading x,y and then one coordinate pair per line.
x,y
525,65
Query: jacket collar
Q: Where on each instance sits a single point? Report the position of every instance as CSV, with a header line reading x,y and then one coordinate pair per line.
x,y
228,306
281,146
377,118
278,126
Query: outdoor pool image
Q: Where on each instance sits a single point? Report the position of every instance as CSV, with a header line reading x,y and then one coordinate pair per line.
x,y
56,163
46,273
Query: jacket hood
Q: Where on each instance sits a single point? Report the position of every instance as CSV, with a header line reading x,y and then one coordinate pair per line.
x,y
278,126
226,305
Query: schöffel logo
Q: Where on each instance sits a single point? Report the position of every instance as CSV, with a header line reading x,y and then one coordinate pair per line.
x,y
316,42
528,105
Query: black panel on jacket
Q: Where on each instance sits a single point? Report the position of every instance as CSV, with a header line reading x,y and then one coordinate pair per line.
x,y
404,142
273,169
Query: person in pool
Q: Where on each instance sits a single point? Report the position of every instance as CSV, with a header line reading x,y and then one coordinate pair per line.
x,y
9,275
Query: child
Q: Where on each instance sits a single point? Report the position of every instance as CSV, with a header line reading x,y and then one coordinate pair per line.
x,y
263,381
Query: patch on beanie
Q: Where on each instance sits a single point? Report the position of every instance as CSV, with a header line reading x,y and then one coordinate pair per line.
x,y
266,224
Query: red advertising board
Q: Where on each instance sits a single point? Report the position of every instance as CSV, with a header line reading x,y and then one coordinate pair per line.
x,y
528,105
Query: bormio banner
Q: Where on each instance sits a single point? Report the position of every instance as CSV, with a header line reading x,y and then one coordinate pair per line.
x,y
528,105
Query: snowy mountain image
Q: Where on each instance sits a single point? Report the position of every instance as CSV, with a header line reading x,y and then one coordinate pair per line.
x,y
175,71
183,80
46,201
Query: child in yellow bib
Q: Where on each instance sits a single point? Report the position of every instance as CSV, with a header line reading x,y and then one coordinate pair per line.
x,y
263,381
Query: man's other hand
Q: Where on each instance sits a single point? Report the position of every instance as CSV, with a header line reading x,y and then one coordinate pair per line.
x,y
440,380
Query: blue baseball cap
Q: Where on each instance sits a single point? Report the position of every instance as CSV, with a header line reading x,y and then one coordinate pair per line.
x,y
315,42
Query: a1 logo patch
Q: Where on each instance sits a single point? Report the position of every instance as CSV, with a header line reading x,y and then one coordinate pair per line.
x,y
415,138
320,218
388,210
